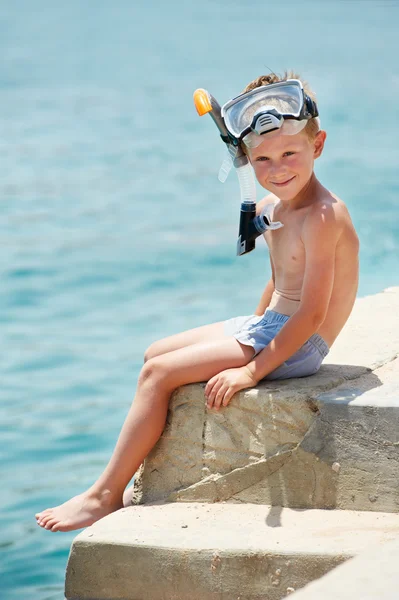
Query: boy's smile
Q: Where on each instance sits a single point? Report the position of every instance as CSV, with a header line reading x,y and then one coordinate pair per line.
x,y
283,164
283,183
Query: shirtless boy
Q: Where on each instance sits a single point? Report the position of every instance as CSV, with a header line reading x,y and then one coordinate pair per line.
x,y
314,260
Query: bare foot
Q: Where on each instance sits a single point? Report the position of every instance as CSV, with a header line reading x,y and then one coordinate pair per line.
x,y
80,511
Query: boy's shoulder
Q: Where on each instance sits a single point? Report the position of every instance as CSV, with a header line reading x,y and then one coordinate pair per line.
x,y
328,208
328,211
327,222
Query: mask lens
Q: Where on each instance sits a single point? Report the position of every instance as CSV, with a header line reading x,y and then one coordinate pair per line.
x,y
285,97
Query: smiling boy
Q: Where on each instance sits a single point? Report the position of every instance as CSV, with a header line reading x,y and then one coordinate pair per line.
x,y
314,260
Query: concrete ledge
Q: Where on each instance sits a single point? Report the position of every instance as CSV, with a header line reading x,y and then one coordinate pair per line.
x,y
216,552
322,442
373,575
286,445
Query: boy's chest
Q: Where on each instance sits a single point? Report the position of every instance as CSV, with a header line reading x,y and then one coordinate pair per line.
x,y
286,248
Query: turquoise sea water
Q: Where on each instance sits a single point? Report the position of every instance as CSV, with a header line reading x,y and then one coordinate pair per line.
x,y
114,229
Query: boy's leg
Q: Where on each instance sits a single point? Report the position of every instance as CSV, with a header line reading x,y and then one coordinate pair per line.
x,y
143,426
206,333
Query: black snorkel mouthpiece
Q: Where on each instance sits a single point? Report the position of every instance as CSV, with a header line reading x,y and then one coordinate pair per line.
x,y
247,232
251,227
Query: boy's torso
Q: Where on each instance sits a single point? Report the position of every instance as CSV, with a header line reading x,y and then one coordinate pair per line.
x,y
288,258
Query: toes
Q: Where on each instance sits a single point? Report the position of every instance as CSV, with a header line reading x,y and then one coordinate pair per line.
x,y
51,523
46,516
43,522
42,514
59,526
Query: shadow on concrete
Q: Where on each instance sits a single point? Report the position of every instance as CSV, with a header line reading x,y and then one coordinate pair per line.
x,y
336,436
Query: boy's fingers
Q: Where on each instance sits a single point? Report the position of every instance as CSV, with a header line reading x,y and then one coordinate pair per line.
x,y
209,386
233,389
219,396
227,398
212,393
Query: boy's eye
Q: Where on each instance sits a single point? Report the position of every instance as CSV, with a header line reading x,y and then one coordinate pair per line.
x,y
264,158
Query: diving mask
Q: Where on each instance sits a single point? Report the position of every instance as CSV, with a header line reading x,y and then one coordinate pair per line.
x,y
281,106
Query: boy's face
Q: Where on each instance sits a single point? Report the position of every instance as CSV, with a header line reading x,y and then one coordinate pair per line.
x,y
283,164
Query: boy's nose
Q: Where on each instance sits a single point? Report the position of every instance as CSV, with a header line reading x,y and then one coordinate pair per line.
x,y
277,172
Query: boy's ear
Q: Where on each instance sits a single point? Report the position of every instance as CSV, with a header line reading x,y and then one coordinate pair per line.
x,y
319,143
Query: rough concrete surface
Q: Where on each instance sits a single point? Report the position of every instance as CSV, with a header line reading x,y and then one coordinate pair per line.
x,y
321,442
373,575
216,552
371,334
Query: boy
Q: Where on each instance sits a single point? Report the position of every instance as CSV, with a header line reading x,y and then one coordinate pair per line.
x,y
314,259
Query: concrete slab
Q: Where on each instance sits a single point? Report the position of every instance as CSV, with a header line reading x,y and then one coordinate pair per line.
x,y
349,457
220,551
378,389
290,426
373,575
327,441
286,445
371,335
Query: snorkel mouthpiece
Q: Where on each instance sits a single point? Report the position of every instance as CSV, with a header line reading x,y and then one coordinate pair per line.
x,y
205,103
247,232
202,102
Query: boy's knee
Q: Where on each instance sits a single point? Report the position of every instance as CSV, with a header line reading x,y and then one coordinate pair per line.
x,y
150,353
153,370
147,354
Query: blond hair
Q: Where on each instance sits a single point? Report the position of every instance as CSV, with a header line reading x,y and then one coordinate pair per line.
x,y
313,125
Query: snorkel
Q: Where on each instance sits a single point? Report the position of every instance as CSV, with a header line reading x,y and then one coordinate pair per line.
x,y
251,226
283,107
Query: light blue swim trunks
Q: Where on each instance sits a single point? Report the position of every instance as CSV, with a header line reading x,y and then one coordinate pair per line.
x,y
258,332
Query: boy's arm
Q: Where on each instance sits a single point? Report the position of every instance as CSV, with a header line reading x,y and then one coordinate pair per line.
x,y
265,298
269,289
320,236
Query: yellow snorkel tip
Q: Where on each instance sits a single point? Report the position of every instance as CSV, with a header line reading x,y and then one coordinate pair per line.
x,y
202,102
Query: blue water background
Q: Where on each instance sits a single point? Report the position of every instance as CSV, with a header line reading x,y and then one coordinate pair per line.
x,y
114,229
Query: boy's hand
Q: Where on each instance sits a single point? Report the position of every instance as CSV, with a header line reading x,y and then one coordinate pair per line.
x,y
221,388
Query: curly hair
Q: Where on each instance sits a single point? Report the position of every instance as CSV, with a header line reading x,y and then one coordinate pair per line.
x,y
313,125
